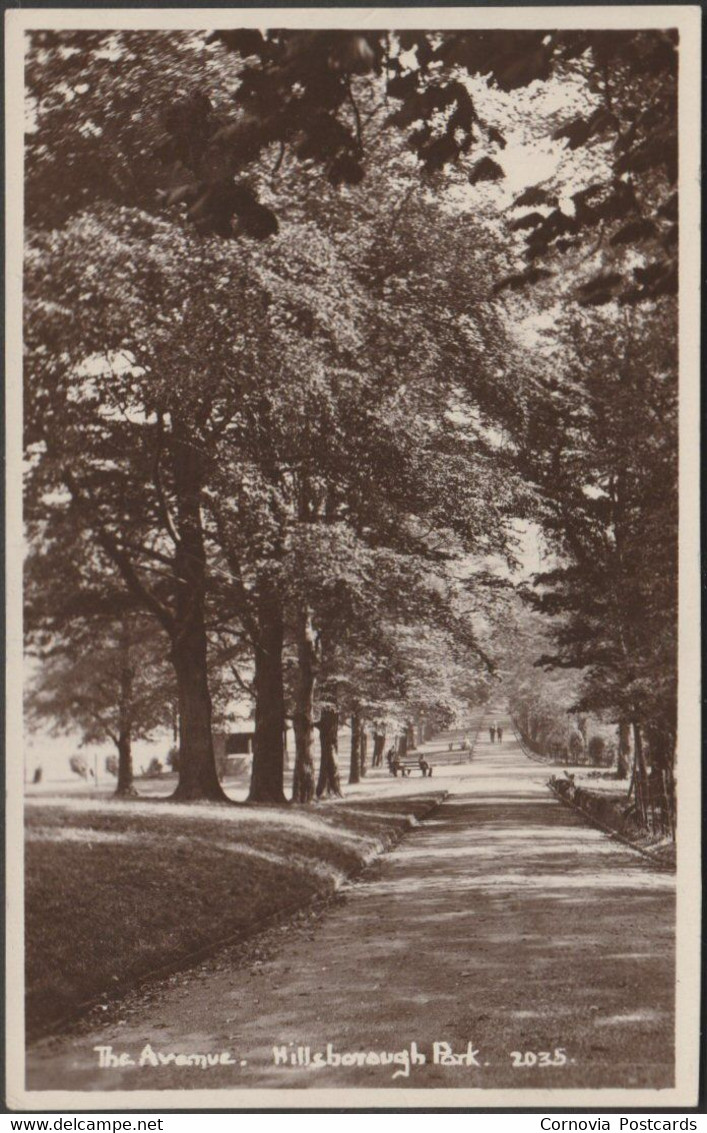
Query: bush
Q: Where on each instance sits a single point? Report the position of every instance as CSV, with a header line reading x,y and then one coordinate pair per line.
x,y
576,746
596,749
79,766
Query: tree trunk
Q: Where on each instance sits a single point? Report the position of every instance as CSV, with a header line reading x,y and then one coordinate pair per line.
x,y
410,737
303,718
670,799
266,783
669,781
329,782
364,752
355,763
197,765
624,747
125,787
285,750
198,778
639,774
378,749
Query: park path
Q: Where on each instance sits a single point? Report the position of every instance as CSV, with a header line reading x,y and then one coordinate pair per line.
x,y
502,924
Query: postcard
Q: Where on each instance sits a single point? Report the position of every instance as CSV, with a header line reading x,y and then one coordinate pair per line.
x,y
353,530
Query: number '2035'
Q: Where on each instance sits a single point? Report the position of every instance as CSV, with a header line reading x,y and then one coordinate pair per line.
x,y
556,1057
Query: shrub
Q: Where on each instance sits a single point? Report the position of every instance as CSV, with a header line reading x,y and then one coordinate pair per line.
x,y
79,766
596,749
576,746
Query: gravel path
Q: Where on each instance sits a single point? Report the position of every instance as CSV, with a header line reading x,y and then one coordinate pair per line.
x,y
503,924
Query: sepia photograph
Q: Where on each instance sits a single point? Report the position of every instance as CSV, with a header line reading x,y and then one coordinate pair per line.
x,y
353,585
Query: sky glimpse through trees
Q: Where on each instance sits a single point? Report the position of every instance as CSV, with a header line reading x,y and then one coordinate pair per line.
x,y
315,323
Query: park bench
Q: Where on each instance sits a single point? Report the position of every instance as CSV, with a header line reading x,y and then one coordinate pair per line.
x,y
409,763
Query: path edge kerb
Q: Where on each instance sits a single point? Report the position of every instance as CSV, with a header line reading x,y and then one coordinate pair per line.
x,y
531,754
665,867
200,955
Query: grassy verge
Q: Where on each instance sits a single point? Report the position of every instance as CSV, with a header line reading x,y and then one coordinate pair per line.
x,y
607,808
115,891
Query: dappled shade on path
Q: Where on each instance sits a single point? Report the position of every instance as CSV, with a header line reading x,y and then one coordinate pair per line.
x,y
503,921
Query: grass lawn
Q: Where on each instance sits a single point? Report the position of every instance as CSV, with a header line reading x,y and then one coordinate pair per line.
x,y
117,890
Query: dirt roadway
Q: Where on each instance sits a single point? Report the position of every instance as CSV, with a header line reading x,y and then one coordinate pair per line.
x,y
503,924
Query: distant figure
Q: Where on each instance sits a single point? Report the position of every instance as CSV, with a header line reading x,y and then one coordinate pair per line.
x,y
390,760
424,767
492,732
37,777
465,742
499,733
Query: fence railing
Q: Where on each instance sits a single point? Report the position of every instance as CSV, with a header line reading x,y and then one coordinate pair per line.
x,y
550,753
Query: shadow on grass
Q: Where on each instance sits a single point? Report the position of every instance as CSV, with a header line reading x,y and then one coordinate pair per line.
x,y
113,892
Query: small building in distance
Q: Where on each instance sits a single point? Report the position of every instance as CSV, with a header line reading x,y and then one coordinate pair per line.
x,y
232,751
239,743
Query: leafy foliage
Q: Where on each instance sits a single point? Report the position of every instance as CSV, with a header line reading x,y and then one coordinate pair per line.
x,y
196,118
333,411
601,445
82,683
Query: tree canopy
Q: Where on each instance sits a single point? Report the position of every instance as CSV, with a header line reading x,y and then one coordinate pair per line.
x,y
294,370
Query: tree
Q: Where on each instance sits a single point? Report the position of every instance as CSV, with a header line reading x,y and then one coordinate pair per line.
x,y
203,407
355,450
400,460
76,613
615,236
603,451
540,699
304,90
267,488
143,455
135,372
94,126
401,651
195,122
107,678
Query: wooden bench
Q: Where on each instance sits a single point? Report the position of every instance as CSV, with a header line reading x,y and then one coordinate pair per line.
x,y
409,763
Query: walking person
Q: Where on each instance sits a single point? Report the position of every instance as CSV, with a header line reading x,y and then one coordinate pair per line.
x,y
492,732
499,733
